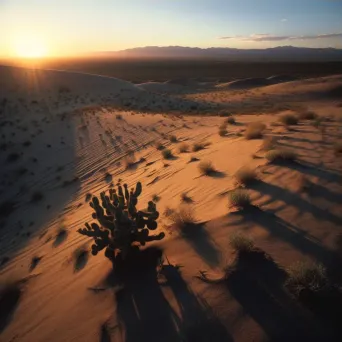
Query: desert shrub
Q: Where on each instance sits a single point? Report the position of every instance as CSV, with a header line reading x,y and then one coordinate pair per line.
x,y
222,132
231,120
118,116
206,167
241,243
80,257
159,146
155,198
288,119
268,143
255,130
239,198
185,198
245,176
167,154
122,227
183,147
338,148
37,196
193,159
35,261
198,146
280,155
307,276
183,219
223,125
307,115
173,138
129,161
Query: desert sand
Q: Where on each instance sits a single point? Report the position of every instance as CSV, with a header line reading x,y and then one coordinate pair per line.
x,y
66,137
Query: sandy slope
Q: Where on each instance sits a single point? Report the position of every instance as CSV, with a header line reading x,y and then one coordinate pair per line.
x,y
75,149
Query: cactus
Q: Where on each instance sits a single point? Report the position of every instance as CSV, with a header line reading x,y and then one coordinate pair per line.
x,y
122,227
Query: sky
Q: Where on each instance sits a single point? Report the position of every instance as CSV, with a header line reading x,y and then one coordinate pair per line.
x,y
72,27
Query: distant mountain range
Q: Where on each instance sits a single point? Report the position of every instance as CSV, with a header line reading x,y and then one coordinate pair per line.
x,y
277,53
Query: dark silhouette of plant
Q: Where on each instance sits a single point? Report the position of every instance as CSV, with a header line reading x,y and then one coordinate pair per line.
x,y
122,228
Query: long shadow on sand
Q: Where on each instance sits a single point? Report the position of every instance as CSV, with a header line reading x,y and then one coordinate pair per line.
x,y
303,206
287,232
199,239
257,284
144,312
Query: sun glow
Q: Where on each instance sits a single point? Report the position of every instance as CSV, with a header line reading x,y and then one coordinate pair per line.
x,y
29,47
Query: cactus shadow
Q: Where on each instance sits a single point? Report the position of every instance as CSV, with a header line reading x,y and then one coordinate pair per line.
x,y
144,312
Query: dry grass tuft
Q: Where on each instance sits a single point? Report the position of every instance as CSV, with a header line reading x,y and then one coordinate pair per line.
x,y
241,243
307,276
268,143
167,154
245,176
231,120
206,167
255,130
183,219
222,132
279,155
183,148
239,199
129,161
159,146
173,138
198,146
289,119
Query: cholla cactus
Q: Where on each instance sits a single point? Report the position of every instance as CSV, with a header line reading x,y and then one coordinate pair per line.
x,y
122,226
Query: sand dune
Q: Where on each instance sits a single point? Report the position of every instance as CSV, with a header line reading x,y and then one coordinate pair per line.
x,y
65,138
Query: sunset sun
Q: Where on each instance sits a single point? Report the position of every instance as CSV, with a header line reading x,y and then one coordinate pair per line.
x,y
29,47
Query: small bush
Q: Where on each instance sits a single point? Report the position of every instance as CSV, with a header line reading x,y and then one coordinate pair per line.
x,y
306,276
277,155
307,115
241,243
223,132
239,199
183,219
118,116
289,119
206,167
255,130
185,198
173,138
167,154
129,161
198,146
224,114
269,143
159,146
183,148
245,176
231,120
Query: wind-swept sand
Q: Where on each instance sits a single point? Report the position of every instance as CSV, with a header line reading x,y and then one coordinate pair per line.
x,y
66,137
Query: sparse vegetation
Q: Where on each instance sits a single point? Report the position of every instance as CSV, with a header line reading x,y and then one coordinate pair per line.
x,y
183,148
231,120
167,154
129,161
223,132
239,199
268,143
185,198
255,130
241,243
198,146
183,219
118,116
280,155
159,146
288,119
307,276
206,167
245,176
173,138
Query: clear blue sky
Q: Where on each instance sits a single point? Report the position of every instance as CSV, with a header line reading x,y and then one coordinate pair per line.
x,y
68,27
